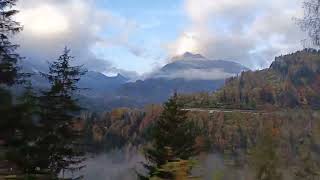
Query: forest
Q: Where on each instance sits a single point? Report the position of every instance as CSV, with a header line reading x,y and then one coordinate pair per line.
x,y
261,125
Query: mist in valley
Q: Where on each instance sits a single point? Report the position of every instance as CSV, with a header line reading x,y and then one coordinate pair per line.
x,y
114,165
123,164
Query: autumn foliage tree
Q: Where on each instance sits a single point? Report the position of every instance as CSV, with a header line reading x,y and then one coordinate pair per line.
x,y
264,157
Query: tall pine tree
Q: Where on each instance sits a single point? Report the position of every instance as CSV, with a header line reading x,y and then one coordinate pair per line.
x,y
17,127
173,139
58,148
9,71
9,75
8,66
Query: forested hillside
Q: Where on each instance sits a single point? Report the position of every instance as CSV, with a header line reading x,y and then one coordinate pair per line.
x,y
292,81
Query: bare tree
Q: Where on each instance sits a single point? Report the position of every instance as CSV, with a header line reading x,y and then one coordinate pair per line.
x,y
310,23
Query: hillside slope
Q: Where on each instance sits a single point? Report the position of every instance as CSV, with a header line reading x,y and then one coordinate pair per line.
x,y
291,81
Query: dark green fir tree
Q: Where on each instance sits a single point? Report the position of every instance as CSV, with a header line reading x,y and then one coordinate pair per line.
x,y
9,70
59,148
22,150
173,139
9,75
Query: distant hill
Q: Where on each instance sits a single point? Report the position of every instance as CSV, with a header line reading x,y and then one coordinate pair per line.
x,y
291,81
158,90
99,83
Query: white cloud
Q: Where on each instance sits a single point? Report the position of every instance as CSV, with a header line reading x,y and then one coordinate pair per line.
x,y
202,10
196,74
50,25
42,25
250,32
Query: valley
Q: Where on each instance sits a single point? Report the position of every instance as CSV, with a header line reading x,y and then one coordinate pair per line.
x,y
161,90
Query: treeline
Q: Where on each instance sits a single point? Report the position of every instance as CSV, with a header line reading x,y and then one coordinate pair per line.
x,y
273,145
115,129
263,145
38,138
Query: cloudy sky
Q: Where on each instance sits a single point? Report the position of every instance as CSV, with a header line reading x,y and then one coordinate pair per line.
x,y
131,36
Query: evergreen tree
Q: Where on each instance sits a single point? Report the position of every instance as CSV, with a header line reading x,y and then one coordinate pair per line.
x,y
173,139
10,114
58,148
25,133
7,124
9,71
18,129
8,67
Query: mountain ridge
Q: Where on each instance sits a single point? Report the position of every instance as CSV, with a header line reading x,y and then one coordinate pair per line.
x,y
190,74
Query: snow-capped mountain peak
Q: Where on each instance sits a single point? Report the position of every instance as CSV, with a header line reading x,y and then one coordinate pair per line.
x,y
189,56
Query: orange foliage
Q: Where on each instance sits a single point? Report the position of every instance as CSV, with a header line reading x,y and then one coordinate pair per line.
x,y
117,114
153,112
78,125
98,133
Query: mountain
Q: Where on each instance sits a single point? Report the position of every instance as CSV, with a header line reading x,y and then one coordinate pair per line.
x,y
196,67
95,81
99,83
188,73
292,81
98,89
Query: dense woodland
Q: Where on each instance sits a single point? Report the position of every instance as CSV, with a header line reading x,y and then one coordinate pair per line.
x,y
265,125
